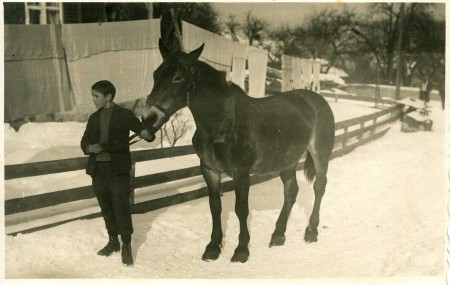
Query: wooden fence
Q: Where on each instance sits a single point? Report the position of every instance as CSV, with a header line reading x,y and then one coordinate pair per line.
x,y
349,135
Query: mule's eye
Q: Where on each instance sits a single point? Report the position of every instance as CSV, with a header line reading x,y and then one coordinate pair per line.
x,y
177,78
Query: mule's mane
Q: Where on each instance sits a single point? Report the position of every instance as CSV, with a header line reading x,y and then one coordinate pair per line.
x,y
237,87
218,76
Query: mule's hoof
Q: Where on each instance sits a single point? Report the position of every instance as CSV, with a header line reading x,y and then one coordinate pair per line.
x,y
310,235
240,255
211,253
277,240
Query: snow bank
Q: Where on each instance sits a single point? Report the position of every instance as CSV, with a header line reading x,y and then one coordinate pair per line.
x,y
35,138
333,78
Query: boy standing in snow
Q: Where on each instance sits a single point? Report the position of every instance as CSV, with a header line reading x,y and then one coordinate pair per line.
x,y
425,89
105,140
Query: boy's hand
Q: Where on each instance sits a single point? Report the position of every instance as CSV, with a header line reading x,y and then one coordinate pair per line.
x,y
146,135
95,148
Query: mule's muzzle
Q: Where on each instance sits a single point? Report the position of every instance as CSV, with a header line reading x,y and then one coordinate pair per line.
x,y
153,118
151,137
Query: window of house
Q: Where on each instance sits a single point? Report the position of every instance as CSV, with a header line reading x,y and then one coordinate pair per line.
x,y
43,13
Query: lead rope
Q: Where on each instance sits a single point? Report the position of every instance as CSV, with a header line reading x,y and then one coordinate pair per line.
x,y
130,142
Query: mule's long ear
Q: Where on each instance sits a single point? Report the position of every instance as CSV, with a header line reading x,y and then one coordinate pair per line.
x,y
195,54
165,52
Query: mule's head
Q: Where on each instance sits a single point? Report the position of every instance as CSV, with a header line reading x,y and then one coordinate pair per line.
x,y
172,82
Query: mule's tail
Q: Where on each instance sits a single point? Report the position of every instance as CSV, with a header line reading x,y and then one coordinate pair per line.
x,y
309,169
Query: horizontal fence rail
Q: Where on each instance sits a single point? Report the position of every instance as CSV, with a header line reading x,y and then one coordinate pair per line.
x,y
337,96
79,163
344,143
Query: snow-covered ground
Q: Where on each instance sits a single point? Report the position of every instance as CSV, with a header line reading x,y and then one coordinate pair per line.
x,y
383,215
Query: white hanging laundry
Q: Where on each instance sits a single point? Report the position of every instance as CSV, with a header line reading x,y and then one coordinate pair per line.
x,y
131,72
218,51
287,67
297,73
239,62
83,40
125,54
257,65
307,74
316,76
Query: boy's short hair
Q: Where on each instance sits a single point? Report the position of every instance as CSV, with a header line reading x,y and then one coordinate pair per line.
x,y
105,87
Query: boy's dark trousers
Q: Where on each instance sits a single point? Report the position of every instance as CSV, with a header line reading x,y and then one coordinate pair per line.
x,y
113,193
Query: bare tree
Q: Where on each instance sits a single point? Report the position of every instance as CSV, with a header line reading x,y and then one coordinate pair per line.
x,y
175,129
423,45
125,11
326,35
254,28
380,35
202,15
233,26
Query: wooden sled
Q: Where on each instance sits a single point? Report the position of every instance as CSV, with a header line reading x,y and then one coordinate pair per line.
x,y
415,115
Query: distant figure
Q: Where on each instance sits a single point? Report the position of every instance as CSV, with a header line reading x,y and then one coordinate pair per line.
x,y
425,89
442,93
105,140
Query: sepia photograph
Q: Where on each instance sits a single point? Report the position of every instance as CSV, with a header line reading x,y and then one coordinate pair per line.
x,y
225,142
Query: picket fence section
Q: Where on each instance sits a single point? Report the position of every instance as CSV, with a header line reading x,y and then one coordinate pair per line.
x,y
349,135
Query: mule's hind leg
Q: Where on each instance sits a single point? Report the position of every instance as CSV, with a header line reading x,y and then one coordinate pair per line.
x,y
289,179
321,167
311,232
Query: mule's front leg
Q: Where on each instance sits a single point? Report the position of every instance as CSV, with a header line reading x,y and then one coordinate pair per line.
x,y
212,179
242,185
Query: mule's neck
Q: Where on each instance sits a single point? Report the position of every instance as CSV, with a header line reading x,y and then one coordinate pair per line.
x,y
211,101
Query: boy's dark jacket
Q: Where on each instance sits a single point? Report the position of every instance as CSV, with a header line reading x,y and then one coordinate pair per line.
x,y
122,121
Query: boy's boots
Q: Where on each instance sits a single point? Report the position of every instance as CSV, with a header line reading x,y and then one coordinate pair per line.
x,y
112,246
127,257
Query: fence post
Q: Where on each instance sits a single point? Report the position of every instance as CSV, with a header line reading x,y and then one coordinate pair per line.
x,y
344,142
132,176
373,124
361,131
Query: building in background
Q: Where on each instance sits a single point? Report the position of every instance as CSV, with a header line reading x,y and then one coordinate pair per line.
x,y
43,13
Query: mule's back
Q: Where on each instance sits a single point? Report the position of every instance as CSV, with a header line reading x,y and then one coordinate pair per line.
x,y
281,127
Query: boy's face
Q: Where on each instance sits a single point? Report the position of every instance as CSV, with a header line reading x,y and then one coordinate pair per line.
x,y
99,99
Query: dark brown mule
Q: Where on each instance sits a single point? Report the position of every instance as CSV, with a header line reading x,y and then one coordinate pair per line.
x,y
238,135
